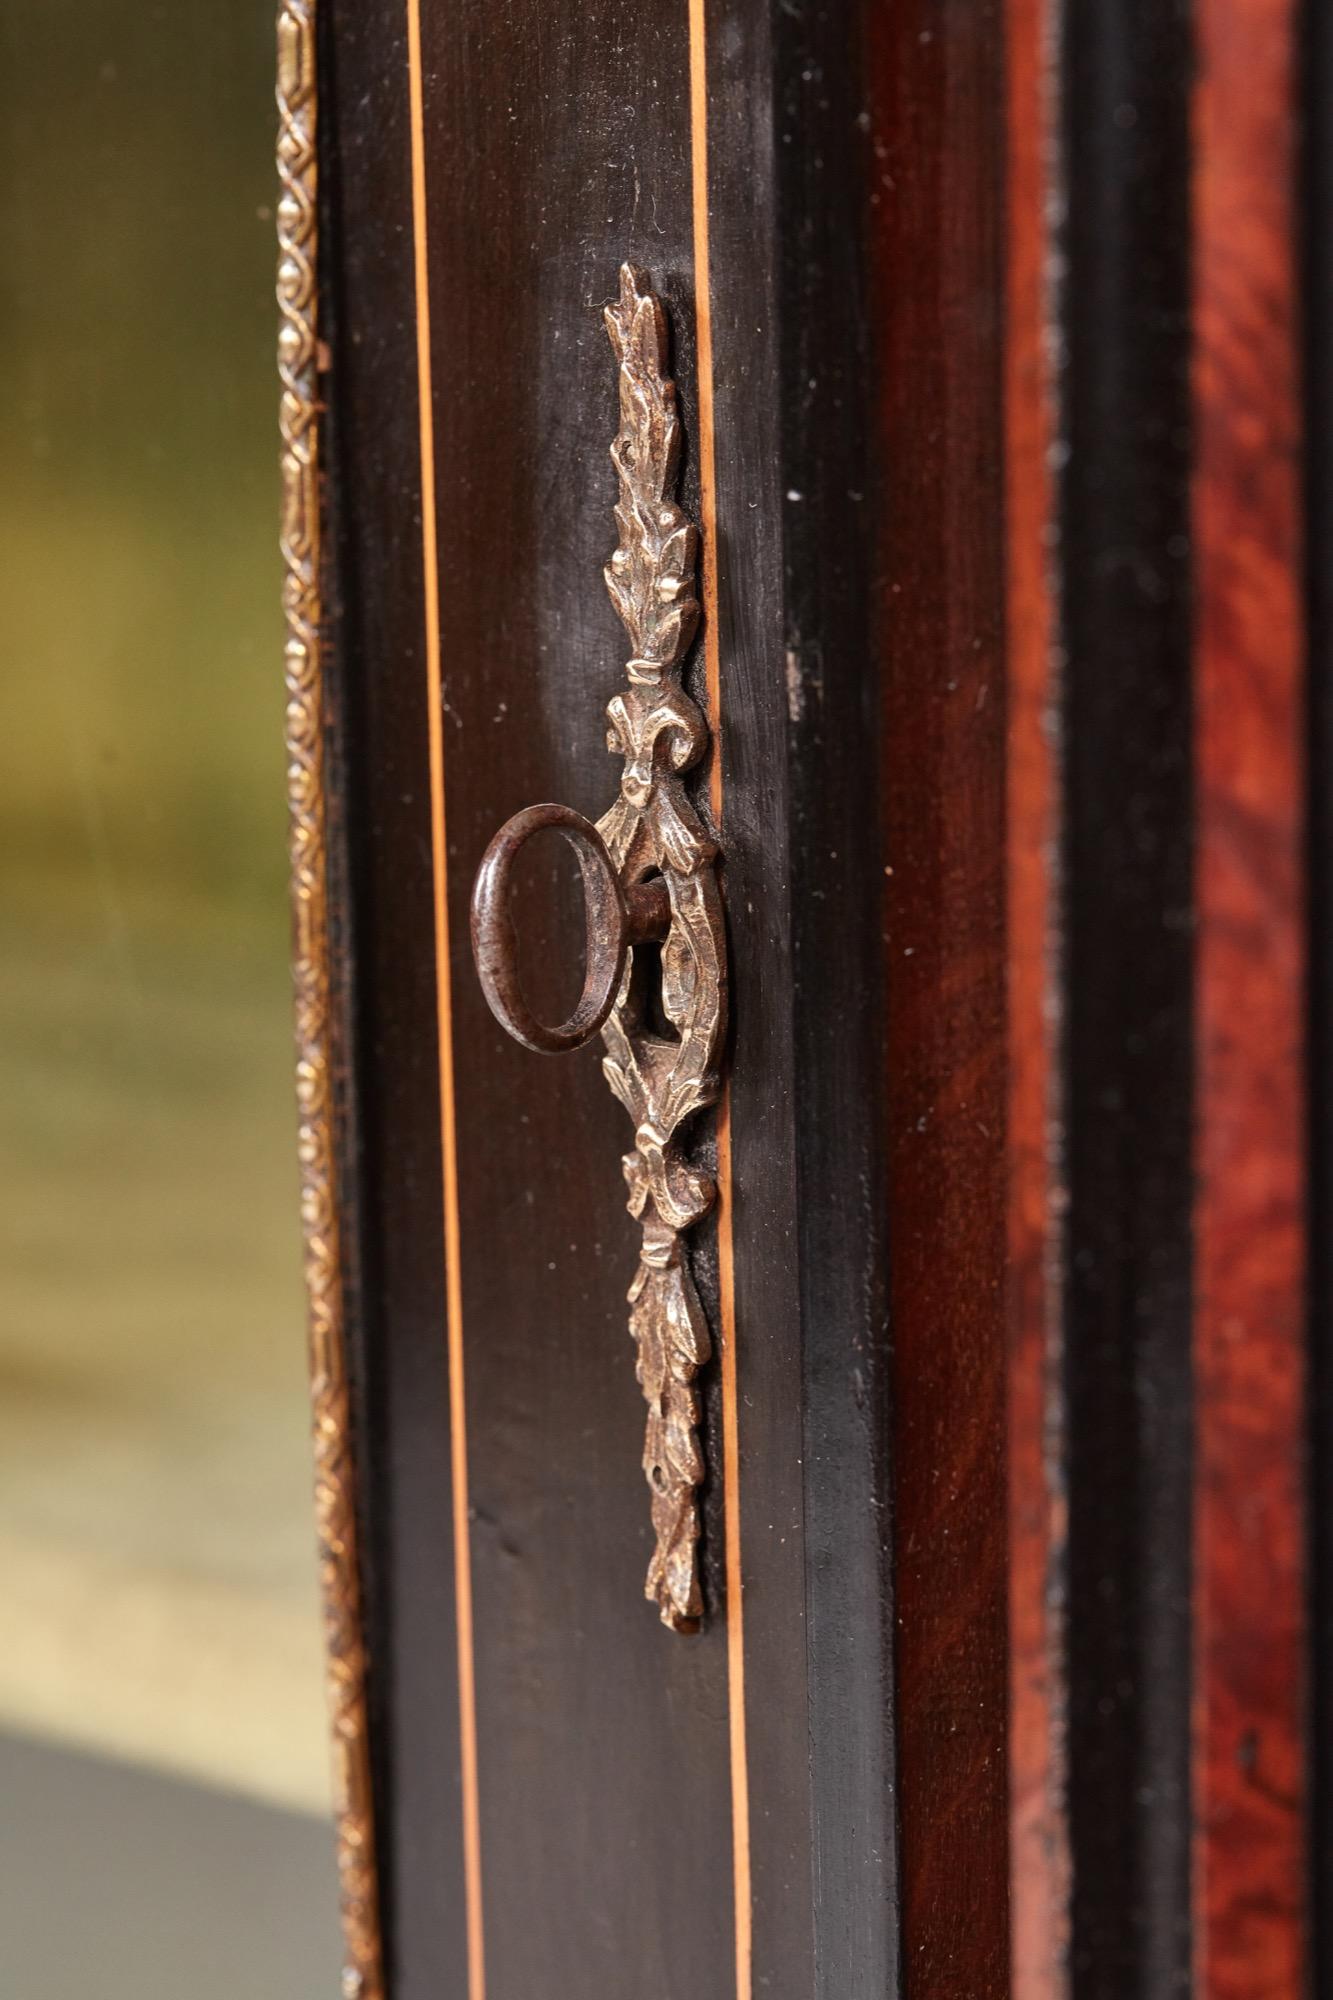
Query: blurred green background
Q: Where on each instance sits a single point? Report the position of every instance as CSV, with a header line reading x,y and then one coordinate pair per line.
x,y
156,1549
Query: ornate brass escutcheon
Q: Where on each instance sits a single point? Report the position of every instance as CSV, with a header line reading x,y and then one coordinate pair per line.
x,y
650,879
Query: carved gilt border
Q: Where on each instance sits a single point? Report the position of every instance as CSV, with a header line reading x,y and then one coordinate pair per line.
x,y
335,1495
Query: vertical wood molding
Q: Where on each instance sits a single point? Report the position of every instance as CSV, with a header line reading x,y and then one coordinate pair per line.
x,y
1038,1513
937,276
1099,844
335,1474
1128,1067
1250,1755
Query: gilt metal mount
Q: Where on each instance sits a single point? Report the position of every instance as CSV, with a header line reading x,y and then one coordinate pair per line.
x,y
654,920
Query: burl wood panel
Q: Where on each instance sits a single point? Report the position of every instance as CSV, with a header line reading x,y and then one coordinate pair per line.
x,y
1250,1759
1317,176
936,84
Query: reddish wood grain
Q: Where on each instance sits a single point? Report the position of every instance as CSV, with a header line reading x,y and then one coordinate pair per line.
x,y
1249,1914
937,85
1039,1841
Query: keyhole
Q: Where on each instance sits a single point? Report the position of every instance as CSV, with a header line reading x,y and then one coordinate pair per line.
x,y
648,983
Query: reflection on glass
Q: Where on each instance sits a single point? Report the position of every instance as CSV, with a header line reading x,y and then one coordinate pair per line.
x,y
156,1567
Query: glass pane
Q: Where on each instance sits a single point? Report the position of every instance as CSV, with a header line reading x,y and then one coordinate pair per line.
x,y
156,1546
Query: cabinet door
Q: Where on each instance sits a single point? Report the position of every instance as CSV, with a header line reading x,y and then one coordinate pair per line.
x,y
990,355
568,1798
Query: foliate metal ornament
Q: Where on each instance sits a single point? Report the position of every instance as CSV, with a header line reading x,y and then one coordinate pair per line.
x,y
660,1080
335,1499
665,1028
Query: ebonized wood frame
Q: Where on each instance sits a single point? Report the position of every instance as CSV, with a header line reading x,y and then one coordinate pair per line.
x,y
859,624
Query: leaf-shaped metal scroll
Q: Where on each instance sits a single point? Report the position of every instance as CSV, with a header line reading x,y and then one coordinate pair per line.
x,y
662,1078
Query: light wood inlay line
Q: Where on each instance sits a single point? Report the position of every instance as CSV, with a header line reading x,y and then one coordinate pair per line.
x,y
467,1705
740,1778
